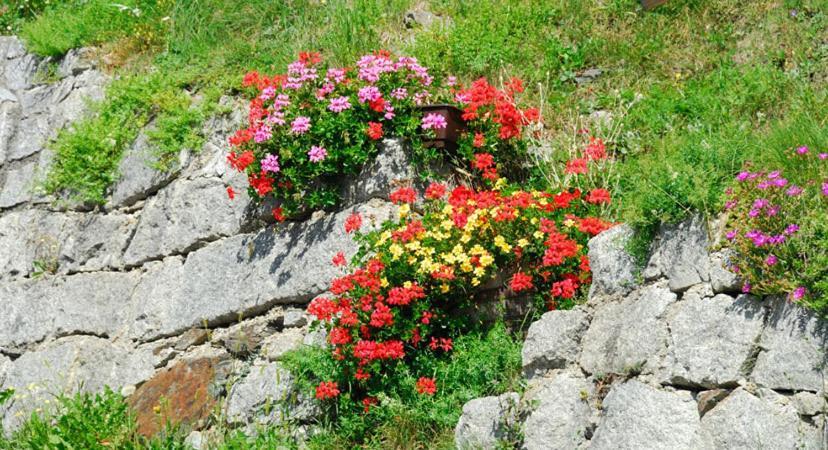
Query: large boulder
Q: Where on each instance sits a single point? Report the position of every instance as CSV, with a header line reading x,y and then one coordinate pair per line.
x,y
744,421
560,416
680,254
69,365
34,310
628,336
553,342
614,270
712,340
638,416
485,421
793,344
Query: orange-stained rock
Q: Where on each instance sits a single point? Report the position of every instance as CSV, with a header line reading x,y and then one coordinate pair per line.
x,y
180,395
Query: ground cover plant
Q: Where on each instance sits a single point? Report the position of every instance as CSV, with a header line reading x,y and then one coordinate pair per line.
x,y
777,226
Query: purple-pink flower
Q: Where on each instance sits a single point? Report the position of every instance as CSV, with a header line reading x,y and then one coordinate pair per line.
x,y
369,94
825,188
300,125
802,150
793,191
791,229
823,156
339,104
746,287
434,121
317,153
771,260
730,235
271,163
798,293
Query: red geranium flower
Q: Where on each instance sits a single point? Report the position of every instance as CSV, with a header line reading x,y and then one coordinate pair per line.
x,y
240,162
521,282
597,196
435,191
326,390
279,214
564,289
404,195
353,223
374,130
339,259
576,166
426,386
230,193
479,140
483,161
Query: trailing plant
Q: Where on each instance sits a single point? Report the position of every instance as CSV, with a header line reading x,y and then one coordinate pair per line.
x,y
778,228
315,124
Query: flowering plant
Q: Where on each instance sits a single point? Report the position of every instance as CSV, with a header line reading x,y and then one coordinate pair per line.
x,y
778,229
400,304
317,123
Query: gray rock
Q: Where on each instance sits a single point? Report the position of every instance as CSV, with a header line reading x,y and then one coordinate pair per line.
x,y
722,279
561,415
5,366
268,396
316,338
18,185
793,346
553,341
711,340
184,216
587,76
391,169
680,254
245,274
424,19
277,344
485,421
138,177
9,117
34,310
69,365
76,61
613,269
638,416
294,318
61,242
628,336
196,440
809,404
743,421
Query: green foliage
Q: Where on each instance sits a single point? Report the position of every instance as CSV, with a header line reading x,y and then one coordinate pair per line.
x,y
482,363
13,13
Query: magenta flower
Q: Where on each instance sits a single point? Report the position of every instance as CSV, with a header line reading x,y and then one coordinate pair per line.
x,y
434,121
760,203
268,93
300,125
369,94
451,80
791,229
317,154
743,176
339,104
798,293
730,204
754,213
746,288
399,93
771,260
262,134
793,191
823,156
772,211
271,164
730,235
802,150
774,174
779,182
336,75
825,188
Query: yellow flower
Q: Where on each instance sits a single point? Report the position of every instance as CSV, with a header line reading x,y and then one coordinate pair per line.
x,y
486,260
500,184
534,221
396,251
444,288
568,223
466,267
538,234
477,250
384,282
413,246
523,242
465,238
479,271
405,208
446,225
384,237
475,281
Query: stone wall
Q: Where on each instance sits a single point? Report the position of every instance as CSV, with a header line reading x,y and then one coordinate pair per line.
x,y
674,357
170,289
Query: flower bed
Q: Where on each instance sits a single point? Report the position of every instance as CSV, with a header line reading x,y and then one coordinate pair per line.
x,y
395,309
779,230
317,123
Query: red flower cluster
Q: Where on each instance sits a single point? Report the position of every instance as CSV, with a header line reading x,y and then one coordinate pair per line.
x,y
487,102
426,386
404,195
353,223
374,130
326,390
521,282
